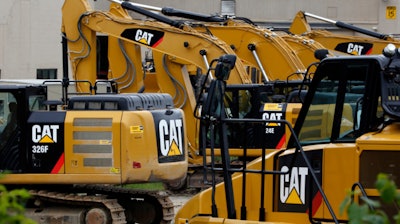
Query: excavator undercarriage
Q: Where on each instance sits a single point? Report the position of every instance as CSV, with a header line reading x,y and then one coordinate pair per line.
x,y
99,204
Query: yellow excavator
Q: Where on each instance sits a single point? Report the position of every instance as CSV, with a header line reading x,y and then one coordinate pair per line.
x,y
81,24
262,48
262,42
369,42
346,134
185,50
75,160
277,55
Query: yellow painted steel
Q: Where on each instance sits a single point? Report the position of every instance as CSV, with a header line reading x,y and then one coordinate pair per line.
x,y
184,44
132,151
278,59
338,161
330,40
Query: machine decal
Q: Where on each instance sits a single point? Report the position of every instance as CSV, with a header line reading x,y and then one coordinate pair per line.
x,y
355,48
316,203
59,165
274,131
170,136
137,129
144,36
295,191
171,141
45,133
292,185
46,142
115,170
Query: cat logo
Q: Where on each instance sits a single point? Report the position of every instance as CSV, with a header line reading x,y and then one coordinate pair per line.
x,y
45,133
355,48
144,36
271,112
171,137
293,185
272,116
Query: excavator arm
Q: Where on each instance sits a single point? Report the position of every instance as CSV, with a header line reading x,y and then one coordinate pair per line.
x,y
81,24
369,42
258,47
274,53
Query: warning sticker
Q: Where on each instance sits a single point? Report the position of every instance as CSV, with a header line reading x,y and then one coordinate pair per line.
x,y
391,12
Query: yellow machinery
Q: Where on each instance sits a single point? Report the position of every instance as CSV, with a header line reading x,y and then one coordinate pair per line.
x,y
368,43
346,133
73,161
81,25
260,48
277,55
179,52
274,50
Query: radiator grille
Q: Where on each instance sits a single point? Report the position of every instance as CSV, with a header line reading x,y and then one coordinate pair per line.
x,y
93,141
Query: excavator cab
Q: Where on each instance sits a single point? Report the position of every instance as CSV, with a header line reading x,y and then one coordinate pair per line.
x,y
346,134
16,104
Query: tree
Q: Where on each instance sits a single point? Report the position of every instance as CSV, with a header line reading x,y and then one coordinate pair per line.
x,y
370,211
12,206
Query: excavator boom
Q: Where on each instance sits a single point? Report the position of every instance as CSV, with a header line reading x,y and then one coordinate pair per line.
x,y
369,42
257,47
80,24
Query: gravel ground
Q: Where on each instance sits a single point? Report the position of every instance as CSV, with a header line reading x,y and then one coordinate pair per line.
x,y
179,199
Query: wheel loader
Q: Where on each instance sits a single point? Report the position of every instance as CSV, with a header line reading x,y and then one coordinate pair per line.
x,y
363,43
346,134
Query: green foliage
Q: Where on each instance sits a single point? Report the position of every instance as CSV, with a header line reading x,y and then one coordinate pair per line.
x,y
370,211
157,186
12,206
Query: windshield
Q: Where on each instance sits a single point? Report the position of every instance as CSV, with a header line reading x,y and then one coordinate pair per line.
x,y
336,107
319,121
37,102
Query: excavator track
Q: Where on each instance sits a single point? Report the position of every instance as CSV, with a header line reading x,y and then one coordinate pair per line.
x,y
105,204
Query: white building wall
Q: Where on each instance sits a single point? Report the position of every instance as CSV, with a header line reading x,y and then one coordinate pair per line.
x,y
369,14
29,37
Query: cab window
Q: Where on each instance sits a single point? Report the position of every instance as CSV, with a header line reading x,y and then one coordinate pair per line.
x,y
8,111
